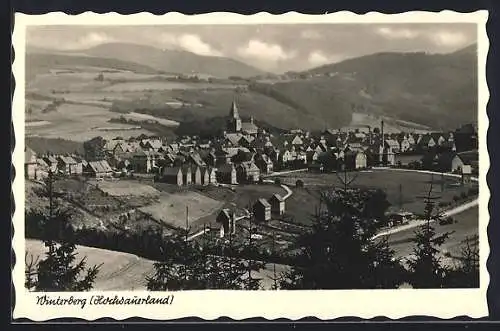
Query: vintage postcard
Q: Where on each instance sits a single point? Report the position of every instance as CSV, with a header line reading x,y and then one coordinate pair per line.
x,y
275,166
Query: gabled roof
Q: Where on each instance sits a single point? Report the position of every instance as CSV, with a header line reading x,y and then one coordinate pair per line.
x,y
276,196
249,127
263,202
67,159
41,162
425,139
392,143
100,166
225,212
29,155
233,138
249,166
197,159
469,157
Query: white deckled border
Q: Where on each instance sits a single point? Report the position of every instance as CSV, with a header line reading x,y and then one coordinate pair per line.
x,y
394,304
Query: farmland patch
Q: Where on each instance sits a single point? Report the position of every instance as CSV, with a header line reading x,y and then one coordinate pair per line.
x,y
171,208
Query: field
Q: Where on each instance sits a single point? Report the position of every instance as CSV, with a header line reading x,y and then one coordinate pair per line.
x,y
414,186
159,85
81,122
142,117
171,207
120,188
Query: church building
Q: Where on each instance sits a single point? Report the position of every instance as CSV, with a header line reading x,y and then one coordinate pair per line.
x,y
236,125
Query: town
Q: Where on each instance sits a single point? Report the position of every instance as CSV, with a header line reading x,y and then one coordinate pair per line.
x,y
247,155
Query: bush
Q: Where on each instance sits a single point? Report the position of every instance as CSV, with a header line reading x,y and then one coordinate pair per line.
x,y
299,183
277,181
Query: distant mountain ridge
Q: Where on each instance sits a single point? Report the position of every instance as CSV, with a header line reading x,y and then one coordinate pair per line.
x,y
170,61
437,90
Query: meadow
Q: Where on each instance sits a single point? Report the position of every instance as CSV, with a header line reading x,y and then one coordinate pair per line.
x,y
413,186
80,123
173,208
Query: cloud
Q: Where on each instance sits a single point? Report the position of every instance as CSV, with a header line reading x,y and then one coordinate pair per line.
x,y
396,33
448,39
317,58
189,42
85,41
310,34
264,51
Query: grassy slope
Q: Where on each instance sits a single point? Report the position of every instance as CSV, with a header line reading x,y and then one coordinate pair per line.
x,y
37,63
436,90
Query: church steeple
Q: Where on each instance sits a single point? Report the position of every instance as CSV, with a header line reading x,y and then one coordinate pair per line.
x,y
234,121
234,110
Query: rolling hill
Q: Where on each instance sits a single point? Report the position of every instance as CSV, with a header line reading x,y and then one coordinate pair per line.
x,y
172,61
42,61
438,90
416,89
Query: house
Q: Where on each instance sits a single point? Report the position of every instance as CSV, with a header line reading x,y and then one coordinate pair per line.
x,y
462,159
247,172
262,210
264,163
52,162
195,159
210,159
426,142
212,175
173,175
249,127
30,163
277,205
68,166
393,145
197,176
227,174
312,156
227,221
98,169
144,161
355,160
187,175
205,175
297,141
438,138
404,144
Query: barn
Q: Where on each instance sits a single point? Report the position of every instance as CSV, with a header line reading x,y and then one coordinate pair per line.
x,y
262,210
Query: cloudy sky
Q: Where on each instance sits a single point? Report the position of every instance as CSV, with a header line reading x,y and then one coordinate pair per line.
x,y
275,48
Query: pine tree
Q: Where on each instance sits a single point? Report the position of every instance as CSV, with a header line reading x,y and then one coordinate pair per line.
x,y
179,266
339,253
58,271
425,267
466,273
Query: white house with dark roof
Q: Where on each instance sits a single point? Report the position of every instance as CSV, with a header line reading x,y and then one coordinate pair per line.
x,y
30,163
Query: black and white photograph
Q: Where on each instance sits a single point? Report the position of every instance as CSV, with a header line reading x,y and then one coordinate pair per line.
x,y
271,157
